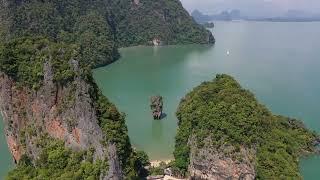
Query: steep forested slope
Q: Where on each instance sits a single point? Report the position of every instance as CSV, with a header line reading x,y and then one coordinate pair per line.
x,y
100,26
57,122
80,22
142,21
225,133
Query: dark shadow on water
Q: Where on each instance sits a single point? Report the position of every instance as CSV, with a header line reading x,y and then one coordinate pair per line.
x,y
163,116
157,130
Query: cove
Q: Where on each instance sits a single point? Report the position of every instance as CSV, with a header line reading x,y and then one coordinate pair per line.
x,y
279,62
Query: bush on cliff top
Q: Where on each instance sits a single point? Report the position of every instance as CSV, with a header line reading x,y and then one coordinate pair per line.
x,y
229,114
80,22
23,60
58,162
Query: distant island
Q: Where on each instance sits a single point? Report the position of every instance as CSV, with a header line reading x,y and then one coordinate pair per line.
x,y
223,16
208,25
235,14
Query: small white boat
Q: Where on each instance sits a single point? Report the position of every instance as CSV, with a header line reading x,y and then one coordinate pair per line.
x,y
228,52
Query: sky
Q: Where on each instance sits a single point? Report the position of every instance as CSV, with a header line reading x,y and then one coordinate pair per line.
x,y
253,7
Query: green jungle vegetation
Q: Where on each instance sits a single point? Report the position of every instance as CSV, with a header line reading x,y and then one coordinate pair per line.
x,y
80,22
165,20
23,60
58,162
228,114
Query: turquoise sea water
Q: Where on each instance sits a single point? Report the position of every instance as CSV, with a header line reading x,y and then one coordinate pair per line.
x,y
279,62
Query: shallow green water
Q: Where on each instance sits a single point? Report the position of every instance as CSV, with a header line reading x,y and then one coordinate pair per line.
x,y
5,157
279,62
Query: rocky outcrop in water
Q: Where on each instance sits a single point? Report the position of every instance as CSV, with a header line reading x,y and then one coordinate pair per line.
x,y
156,106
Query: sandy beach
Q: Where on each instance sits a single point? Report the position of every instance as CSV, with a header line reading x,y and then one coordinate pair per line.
x,y
156,163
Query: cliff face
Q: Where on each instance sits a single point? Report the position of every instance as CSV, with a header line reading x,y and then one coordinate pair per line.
x,y
210,162
224,133
66,113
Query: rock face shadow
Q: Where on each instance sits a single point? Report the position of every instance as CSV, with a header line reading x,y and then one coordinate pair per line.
x,y
163,116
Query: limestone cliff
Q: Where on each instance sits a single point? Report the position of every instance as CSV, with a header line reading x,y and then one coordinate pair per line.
x,y
63,112
210,162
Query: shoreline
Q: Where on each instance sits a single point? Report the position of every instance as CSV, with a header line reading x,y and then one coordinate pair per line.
x,y
156,163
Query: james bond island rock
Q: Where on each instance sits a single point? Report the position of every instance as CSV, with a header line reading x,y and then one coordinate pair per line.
x,y
225,133
156,106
